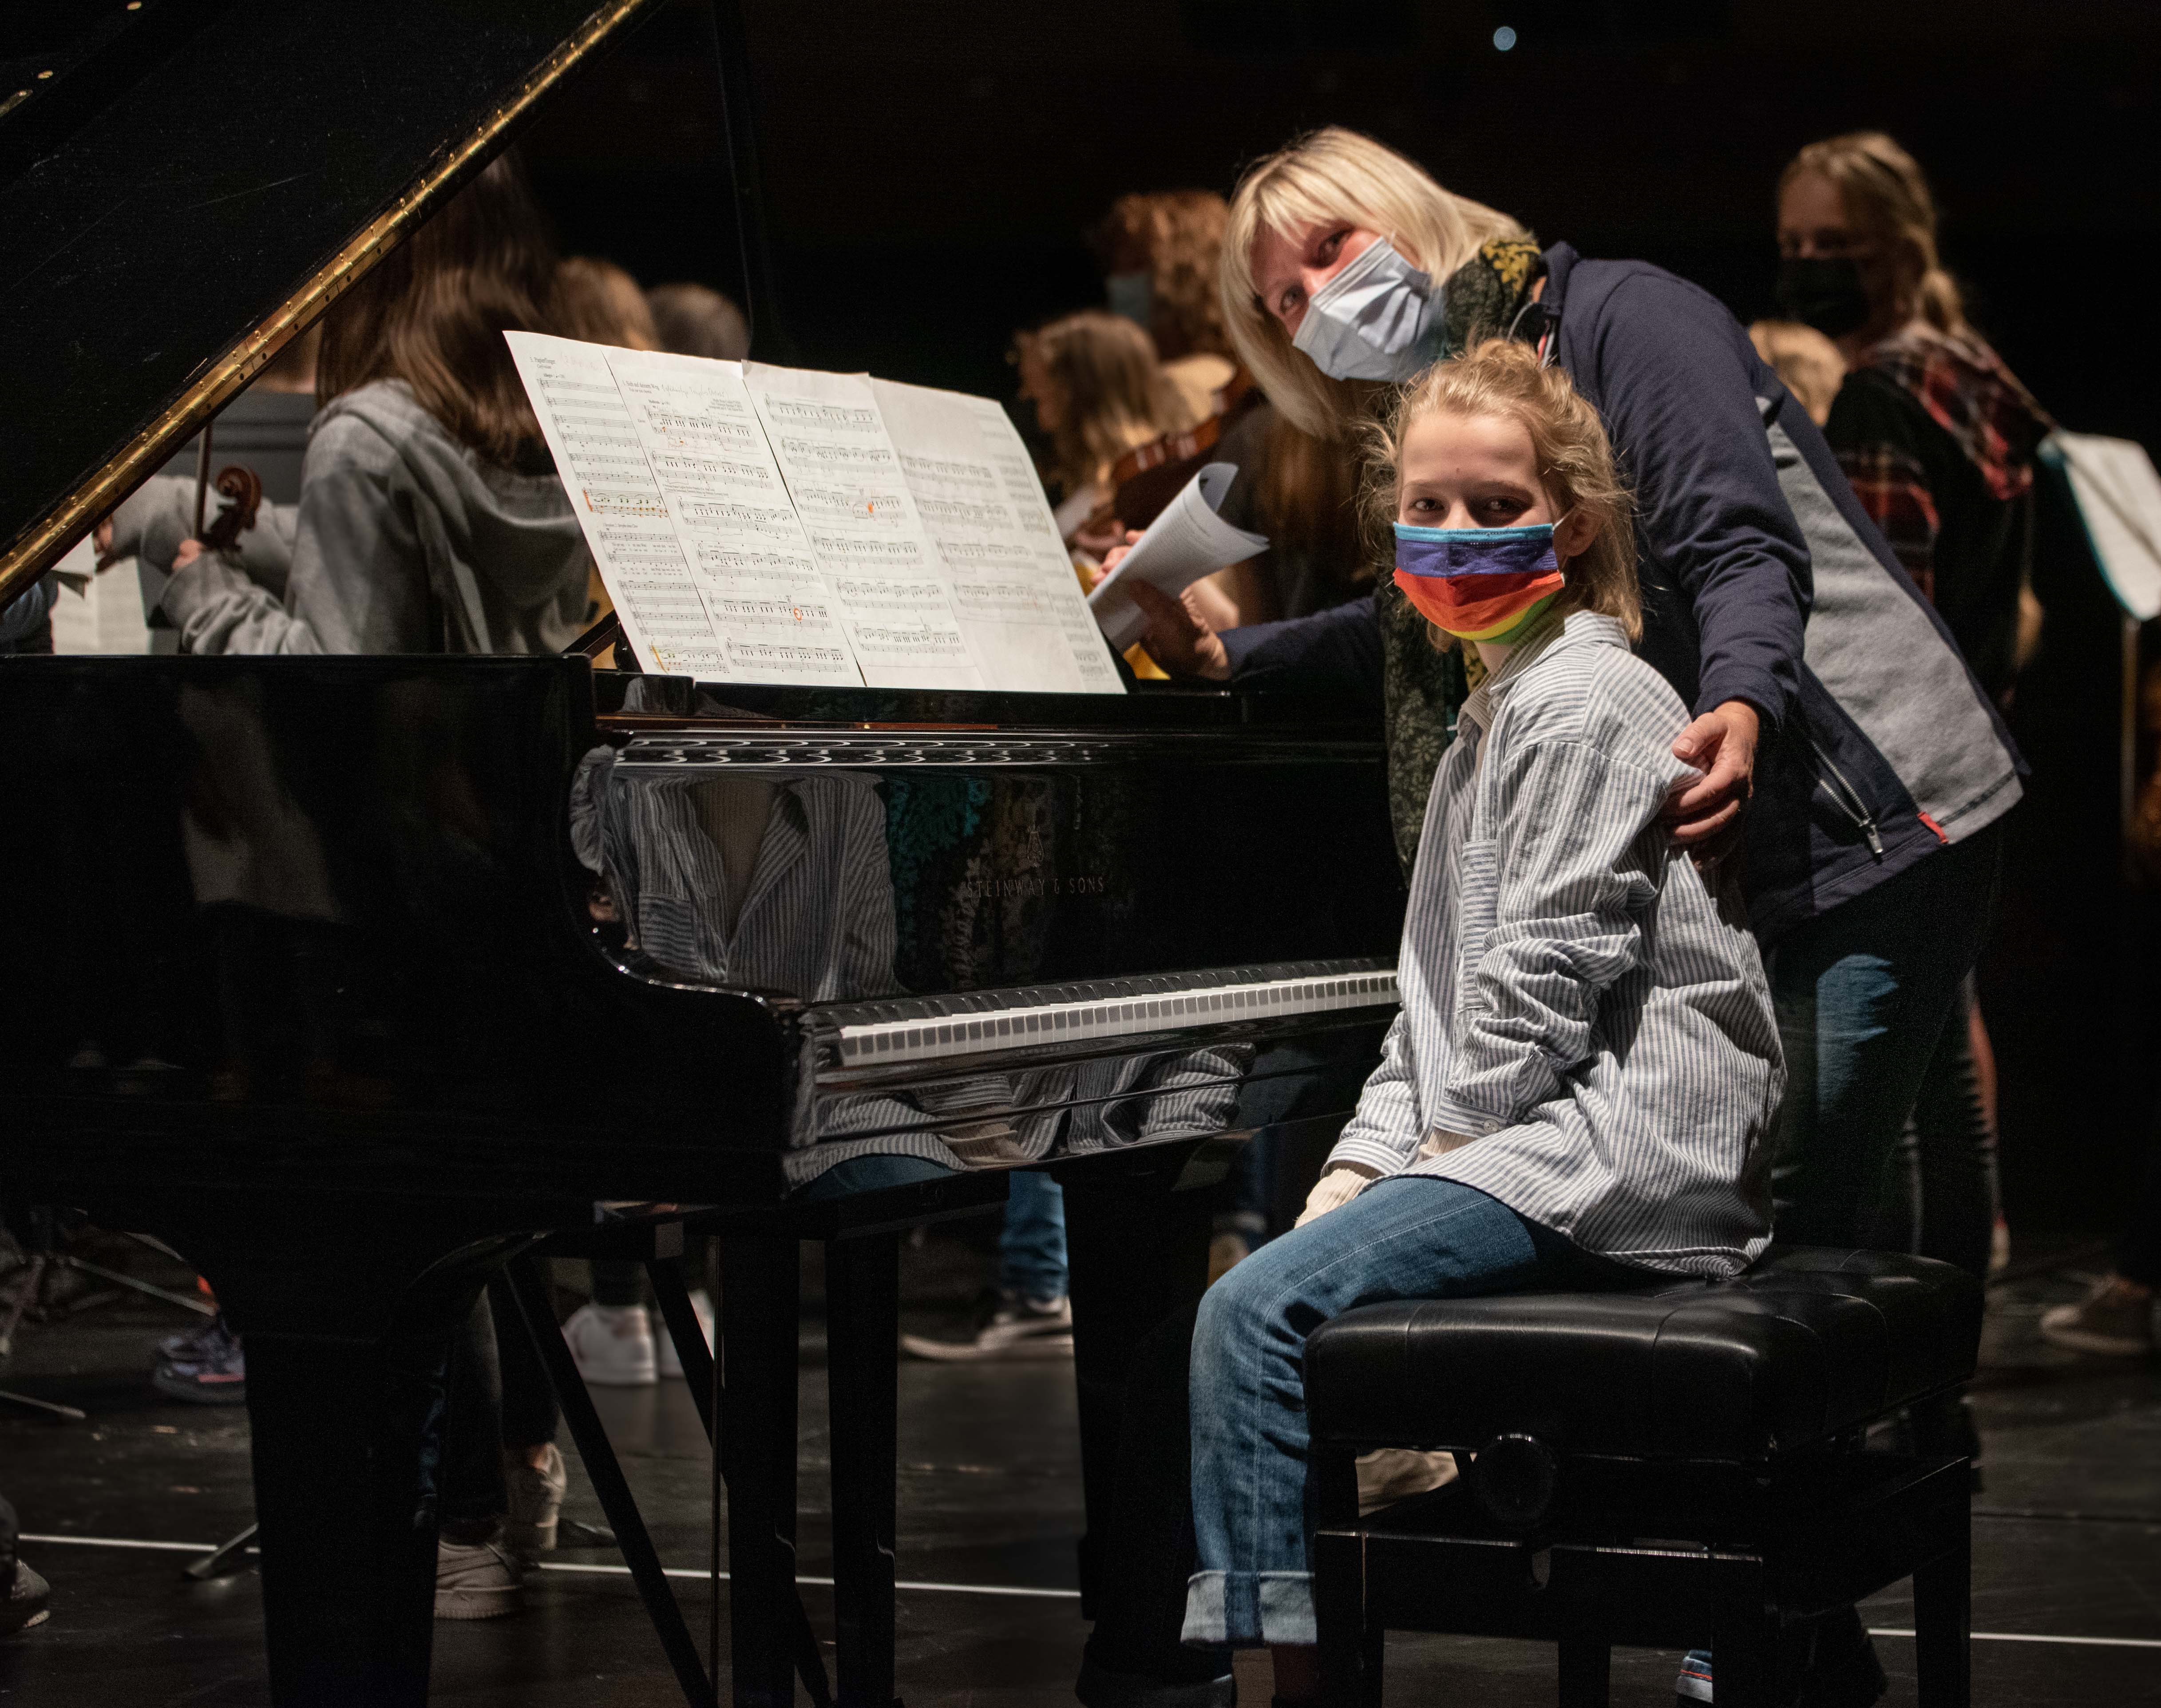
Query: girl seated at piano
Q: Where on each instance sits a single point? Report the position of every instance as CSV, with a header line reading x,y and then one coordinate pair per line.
x,y
1581,1080
431,519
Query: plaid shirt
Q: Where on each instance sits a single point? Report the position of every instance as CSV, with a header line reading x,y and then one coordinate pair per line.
x,y
1965,388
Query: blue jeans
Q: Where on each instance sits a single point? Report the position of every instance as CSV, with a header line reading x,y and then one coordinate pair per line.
x,y
870,1174
1031,1248
1863,993
1412,1236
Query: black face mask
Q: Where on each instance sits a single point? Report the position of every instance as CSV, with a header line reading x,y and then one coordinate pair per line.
x,y
1824,293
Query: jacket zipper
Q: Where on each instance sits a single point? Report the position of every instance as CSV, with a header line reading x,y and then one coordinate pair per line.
x,y
1850,801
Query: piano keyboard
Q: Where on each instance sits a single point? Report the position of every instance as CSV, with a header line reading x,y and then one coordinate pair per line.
x,y
913,1029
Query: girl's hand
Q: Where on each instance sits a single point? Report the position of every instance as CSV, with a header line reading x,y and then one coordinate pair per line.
x,y
185,553
1335,1189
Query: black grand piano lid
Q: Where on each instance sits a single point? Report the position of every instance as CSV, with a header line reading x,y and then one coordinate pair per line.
x,y
185,184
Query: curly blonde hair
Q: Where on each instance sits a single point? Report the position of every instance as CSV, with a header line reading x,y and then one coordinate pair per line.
x,y
1333,176
1575,464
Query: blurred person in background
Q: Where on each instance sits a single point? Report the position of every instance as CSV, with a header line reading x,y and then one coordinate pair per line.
x,y
2116,1318
430,518
1098,392
599,302
1158,252
25,622
1808,363
695,320
1937,435
1939,439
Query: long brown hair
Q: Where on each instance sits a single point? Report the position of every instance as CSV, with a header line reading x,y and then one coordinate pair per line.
x,y
1575,464
1887,198
1117,396
433,311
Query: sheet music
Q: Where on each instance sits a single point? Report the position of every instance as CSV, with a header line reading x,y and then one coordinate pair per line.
x,y
749,558
766,524
618,502
844,475
983,509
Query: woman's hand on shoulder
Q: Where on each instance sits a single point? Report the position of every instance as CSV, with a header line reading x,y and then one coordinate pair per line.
x,y
1705,815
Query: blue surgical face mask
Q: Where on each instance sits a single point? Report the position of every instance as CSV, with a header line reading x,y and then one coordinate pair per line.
x,y
1131,295
1378,319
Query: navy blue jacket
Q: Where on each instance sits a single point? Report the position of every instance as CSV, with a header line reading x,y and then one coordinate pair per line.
x,y
1763,581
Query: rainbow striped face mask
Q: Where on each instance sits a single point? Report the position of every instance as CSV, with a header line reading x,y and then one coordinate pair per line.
x,y
1479,584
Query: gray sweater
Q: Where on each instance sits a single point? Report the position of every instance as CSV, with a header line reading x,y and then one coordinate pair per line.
x,y
403,541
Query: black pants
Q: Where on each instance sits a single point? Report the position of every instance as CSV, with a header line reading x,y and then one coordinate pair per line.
x,y
8,1531
500,1397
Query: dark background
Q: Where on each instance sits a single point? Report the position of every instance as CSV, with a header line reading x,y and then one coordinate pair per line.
x,y
930,170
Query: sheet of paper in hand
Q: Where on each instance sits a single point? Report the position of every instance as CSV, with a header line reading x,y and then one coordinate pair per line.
x,y
1188,541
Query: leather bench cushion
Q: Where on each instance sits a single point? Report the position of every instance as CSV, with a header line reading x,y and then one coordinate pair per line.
x,y
1807,1344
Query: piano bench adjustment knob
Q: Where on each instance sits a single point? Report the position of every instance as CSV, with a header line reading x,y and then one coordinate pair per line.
x,y
1515,1477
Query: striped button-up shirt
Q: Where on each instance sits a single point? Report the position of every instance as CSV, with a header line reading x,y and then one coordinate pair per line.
x,y
1587,1033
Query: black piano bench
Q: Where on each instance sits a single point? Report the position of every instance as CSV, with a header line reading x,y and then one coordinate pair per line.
x,y
1683,1465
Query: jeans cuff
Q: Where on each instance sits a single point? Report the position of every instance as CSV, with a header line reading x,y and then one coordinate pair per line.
x,y
1248,1609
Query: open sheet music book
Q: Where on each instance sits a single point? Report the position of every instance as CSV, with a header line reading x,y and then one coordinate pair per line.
x,y
769,524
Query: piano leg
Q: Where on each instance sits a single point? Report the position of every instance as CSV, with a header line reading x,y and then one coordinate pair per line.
x,y
1137,1252
346,1436
348,1321
862,1294
760,1295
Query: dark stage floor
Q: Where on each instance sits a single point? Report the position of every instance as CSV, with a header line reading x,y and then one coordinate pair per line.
x,y
2067,1575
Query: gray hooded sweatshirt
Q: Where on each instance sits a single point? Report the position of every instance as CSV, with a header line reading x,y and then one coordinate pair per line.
x,y
403,541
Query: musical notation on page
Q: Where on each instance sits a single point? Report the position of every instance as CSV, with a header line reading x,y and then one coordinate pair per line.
x,y
843,475
984,512
750,563
762,524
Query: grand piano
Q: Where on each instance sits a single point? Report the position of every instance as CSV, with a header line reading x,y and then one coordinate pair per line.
x,y
322,972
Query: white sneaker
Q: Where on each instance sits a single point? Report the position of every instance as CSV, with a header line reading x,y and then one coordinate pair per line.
x,y
476,1582
612,1344
1017,1328
536,1505
671,1366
